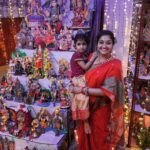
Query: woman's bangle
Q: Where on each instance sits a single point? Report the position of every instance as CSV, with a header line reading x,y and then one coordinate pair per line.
x,y
85,90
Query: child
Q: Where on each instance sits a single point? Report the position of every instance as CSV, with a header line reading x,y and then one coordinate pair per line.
x,y
79,64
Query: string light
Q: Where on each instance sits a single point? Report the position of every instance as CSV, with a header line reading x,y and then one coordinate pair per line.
x,y
12,21
20,9
119,22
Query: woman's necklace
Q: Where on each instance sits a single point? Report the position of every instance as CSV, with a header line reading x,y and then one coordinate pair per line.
x,y
99,62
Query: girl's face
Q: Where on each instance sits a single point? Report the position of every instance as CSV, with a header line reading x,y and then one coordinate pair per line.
x,y
105,45
81,45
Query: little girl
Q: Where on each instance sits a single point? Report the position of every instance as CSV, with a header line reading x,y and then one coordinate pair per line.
x,y
79,64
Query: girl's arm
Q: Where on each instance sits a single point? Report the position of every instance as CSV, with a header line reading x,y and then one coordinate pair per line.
x,y
86,66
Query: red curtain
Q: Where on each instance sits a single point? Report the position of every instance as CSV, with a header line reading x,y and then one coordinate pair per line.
x,y
7,42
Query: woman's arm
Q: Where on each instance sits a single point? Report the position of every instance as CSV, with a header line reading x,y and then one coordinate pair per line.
x,y
87,91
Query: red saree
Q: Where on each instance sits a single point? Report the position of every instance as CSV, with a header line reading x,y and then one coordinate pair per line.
x,y
106,122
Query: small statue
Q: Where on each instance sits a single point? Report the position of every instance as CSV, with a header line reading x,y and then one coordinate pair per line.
x,y
11,145
35,131
146,31
53,14
12,121
44,119
6,144
1,143
63,67
29,40
18,68
57,122
4,119
52,73
28,68
38,63
22,128
54,91
1,102
8,94
3,82
49,38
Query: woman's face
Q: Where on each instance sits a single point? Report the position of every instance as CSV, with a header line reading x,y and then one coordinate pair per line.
x,y
81,45
105,45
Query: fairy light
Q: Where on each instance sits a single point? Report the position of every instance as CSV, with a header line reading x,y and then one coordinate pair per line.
x,y
105,26
20,9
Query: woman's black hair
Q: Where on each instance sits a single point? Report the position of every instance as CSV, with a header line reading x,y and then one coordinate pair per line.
x,y
80,36
106,32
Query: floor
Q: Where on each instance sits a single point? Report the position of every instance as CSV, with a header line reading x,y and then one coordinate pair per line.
x,y
3,71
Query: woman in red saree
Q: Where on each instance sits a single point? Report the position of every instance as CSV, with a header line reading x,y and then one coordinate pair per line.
x,y
105,89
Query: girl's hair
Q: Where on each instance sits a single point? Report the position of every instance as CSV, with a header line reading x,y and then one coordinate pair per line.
x,y
80,36
106,32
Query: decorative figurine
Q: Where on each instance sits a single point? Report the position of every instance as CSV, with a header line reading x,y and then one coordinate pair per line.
x,y
54,91
49,38
18,68
1,143
24,120
52,73
45,98
11,145
53,14
8,94
12,121
29,40
63,67
3,120
6,143
35,131
28,68
146,31
57,122
44,119
1,102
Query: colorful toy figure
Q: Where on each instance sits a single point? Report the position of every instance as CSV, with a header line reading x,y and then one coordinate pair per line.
x,y
18,68
63,67
28,68
57,122
1,102
53,14
24,120
54,91
12,121
5,143
44,119
12,145
49,38
35,131
3,120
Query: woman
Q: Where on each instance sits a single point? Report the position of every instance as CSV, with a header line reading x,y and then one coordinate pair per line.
x,y
105,89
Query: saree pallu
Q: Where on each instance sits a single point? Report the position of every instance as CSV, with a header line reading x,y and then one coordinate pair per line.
x,y
106,121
